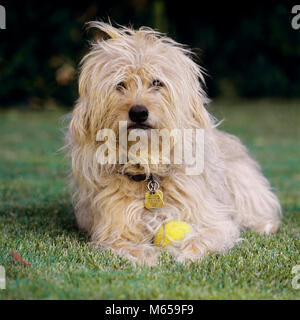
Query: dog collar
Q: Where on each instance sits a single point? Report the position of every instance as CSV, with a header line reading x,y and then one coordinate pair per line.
x,y
137,177
153,197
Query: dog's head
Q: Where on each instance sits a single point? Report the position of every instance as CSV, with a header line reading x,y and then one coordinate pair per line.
x,y
139,76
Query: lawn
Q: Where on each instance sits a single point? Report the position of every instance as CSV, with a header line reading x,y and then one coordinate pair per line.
x,y
36,219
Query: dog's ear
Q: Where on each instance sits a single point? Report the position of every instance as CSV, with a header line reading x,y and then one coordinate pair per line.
x,y
200,114
80,122
194,84
107,31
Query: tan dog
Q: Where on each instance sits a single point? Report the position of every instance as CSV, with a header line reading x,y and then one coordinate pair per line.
x,y
152,82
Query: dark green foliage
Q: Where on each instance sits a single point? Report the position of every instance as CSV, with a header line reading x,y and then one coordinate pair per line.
x,y
249,49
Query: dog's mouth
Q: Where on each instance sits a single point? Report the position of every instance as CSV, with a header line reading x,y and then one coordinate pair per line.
x,y
139,126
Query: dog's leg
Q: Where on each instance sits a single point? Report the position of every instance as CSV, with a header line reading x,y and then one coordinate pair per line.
x,y
193,200
122,227
202,241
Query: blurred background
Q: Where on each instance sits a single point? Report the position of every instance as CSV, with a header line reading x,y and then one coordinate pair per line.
x,y
249,50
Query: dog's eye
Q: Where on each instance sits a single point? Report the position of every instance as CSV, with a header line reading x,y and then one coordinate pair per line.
x,y
156,83
121,86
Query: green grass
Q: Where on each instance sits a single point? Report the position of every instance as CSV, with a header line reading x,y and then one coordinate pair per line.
x,y
36,219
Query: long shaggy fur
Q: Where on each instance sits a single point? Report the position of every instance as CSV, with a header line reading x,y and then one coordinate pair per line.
x,y
230,195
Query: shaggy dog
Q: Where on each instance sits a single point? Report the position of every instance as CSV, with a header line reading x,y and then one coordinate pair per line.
x,y
149,80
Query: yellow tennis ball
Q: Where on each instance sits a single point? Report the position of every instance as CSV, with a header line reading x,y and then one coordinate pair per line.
x,y
174,230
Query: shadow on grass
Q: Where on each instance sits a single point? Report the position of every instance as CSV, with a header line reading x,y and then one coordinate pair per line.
x,y
52,218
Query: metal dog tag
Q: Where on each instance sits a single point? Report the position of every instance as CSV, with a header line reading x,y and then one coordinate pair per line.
x,y
154,197
154,200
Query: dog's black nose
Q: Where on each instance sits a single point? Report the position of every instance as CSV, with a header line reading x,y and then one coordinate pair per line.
x,y
138,113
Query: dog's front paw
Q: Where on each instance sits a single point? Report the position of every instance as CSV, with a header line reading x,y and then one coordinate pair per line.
x,y
190,249
141,254
202,242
